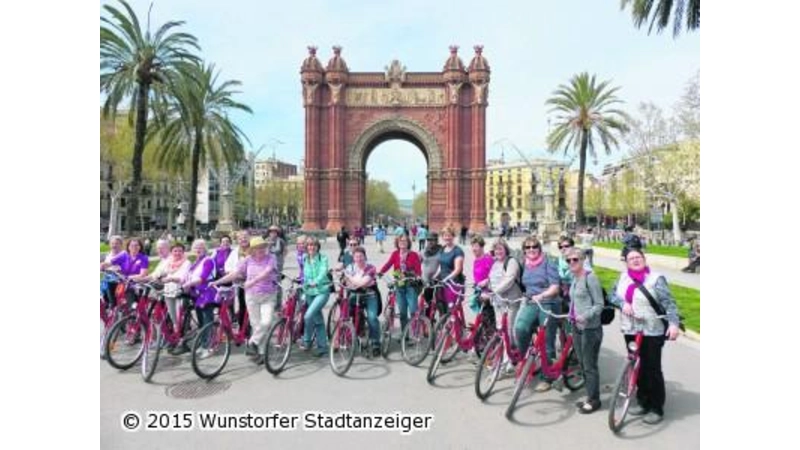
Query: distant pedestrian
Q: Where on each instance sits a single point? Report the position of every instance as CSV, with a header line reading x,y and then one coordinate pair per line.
x,y
380,236
463,237
341,237
422,234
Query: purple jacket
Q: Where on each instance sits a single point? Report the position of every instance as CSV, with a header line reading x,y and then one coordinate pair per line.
x,y
202,270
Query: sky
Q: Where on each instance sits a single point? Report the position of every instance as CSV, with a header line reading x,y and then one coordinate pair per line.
x,y
532,47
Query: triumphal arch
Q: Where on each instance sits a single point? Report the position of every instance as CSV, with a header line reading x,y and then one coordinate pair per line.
x,y
348,114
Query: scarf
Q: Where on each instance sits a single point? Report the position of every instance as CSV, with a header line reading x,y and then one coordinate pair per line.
x,y
638,276
535,263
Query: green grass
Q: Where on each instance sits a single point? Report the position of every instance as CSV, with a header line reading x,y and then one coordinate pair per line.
x,y
104,248
680,252
688,299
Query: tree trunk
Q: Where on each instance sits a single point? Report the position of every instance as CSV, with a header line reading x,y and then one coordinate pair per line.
x,y
113,213
676,226
582,161
196,151
138,152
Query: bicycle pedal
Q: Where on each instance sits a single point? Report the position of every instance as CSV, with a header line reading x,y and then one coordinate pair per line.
x,y
558,384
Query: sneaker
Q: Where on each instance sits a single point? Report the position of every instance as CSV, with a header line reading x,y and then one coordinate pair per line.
x,y
304,347
543,386
376,352
638,410
321,352
180,349
203,353
652,418
251,349
588,407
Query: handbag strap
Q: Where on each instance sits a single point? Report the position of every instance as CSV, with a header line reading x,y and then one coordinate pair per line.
x,y
653,303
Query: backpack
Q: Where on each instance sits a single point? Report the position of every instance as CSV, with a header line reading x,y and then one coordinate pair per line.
x,y
607,314
515,257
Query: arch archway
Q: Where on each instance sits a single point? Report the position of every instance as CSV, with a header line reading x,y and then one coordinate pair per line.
x,y
349,113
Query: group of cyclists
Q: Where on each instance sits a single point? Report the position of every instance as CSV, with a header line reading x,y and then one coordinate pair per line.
x,y
547,286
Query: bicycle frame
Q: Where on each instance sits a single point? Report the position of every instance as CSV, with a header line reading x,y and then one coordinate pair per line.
x,y
539,345
226,299
459,323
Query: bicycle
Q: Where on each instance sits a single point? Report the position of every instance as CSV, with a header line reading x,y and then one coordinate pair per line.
x,y
286,330
565,370
162,333
390,314
333,314
349,332
627,382
111,313
213,342
126,337
450,334
417,337
498,351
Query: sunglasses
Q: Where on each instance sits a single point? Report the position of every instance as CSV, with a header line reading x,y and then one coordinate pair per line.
x,y
353,245
572,260
564,246
529,247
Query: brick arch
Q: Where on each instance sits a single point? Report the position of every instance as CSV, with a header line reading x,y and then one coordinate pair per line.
x,y
394,128
347,114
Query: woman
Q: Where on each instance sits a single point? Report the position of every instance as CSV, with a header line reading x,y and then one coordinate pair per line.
x,y
360,279
586,304
405,263
237,255
451,265
480,274
503,281
317,289
277,246
301,255
541,281
196,284
260,272
113,260
430,265
380,236
629,293
221,255
172,271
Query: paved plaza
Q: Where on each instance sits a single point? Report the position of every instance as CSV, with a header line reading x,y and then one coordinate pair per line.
x,y
542,420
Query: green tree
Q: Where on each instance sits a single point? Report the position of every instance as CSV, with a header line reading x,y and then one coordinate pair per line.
x,y
659,13
137,65
381,200
420,206
198,128
595,202
585,112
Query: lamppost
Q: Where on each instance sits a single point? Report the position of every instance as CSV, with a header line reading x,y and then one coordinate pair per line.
x,y
413,199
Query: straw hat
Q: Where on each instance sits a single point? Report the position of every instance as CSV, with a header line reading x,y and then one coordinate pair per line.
x,y
258,241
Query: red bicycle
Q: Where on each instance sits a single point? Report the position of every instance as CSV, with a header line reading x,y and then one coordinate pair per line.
x,y
212,347
451,334
417,338
390,315
499,350
286,330
350,333
126,342
628,380
111,313
565,370
161,331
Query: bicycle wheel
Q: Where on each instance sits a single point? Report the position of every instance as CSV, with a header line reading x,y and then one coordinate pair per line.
x,y
152,350
210,350
451,347
343,347
520,383
333,317
415,342
621,400
573,372
123,343
489,368
483,337
279,346
386,332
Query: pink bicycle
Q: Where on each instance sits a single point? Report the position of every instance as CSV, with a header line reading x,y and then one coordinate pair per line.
x,y
126,341
350,333
500,349
212,347
628,379
565,370
390,314
162,332
450,334
111,313
417,338
286,330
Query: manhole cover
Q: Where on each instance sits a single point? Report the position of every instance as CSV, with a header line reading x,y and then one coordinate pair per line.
x,y
197,389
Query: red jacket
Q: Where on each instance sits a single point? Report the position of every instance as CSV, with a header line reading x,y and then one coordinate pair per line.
x,y
413,263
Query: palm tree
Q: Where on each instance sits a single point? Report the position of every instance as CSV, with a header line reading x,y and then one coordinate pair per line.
x,y
585,112
137,65
641,10
197,128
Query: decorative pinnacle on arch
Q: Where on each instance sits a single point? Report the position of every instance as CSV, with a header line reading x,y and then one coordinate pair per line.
x,y
312,50
478,49
453,49
337,50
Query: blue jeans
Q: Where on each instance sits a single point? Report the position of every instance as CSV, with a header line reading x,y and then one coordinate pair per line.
x,y
315,321
529,317
407,303
372,316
